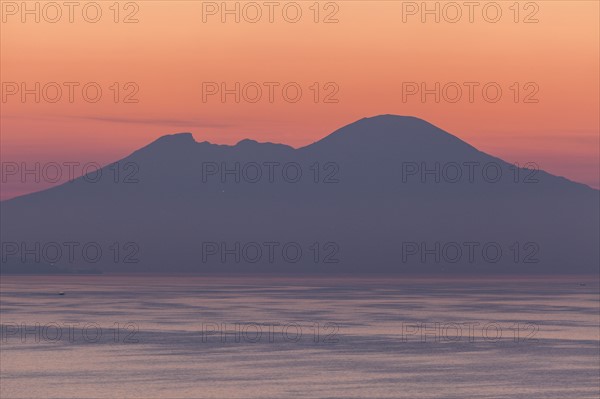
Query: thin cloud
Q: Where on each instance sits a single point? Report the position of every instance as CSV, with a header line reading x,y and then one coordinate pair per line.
x,y
156,121
134,121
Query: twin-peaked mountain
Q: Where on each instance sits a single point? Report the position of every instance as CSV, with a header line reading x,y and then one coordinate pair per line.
x,y
384,194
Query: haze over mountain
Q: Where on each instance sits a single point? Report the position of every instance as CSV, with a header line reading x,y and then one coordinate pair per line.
x,y
379,195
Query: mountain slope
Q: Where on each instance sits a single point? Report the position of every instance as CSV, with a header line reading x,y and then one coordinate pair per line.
x,y
383,194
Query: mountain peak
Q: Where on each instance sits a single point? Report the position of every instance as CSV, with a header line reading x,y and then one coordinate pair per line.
x,y
392,117
174,142
177,138
397,123
390,131
246,142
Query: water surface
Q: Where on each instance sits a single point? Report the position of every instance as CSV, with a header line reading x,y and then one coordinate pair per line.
x,y
342,337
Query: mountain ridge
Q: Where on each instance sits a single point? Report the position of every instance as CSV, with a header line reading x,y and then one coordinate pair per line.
x,y
360,200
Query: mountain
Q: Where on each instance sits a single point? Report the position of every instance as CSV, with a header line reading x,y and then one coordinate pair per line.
x,y
389,194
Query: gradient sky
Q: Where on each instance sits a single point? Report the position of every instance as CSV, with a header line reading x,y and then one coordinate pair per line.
x,y
368,54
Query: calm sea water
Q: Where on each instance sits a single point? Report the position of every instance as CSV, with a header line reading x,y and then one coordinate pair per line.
x,y
280,337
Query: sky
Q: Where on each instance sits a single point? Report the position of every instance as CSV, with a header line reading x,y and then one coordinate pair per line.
x,y
111,77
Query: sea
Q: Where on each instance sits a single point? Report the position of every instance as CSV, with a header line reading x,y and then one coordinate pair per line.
x,y
277,336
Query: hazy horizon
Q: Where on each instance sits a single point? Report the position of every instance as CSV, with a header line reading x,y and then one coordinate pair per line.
x,y
299,199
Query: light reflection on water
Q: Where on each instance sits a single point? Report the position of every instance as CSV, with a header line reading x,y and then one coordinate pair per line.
x,y
359,350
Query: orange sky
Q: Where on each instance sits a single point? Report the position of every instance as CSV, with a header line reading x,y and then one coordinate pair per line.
x,y
367,54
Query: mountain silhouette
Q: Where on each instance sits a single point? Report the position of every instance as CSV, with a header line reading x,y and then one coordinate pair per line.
x,y
387,194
